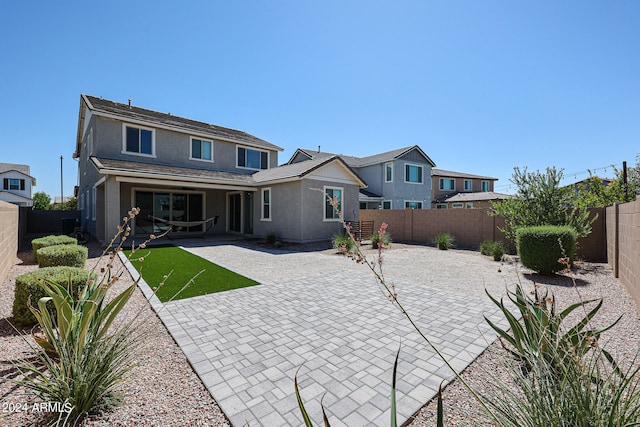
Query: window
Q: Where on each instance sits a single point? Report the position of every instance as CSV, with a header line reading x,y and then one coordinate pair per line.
x,y
457,205
485,185
331,214
413,173
93,204
252,159
468,185
447,184
388,172
266,204
442,206
88,210
201,149
412,204
13,184
386,204
469,205
138,140
169,206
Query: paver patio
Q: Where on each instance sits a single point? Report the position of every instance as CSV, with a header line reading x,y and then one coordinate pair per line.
x,y
247,344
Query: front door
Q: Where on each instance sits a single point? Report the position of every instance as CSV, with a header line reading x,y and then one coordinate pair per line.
x,y
235,212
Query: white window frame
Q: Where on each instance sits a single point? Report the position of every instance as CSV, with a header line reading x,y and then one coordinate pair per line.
x,y
442,206
262,204
87,213
469,205
325,201
419,202
17,180
201,141
457,205
254,149
421,173
133,153
470,181
390,204
93,203
441,187
388,166
488,184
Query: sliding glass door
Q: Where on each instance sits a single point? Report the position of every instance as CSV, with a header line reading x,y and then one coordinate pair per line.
x,y
159,209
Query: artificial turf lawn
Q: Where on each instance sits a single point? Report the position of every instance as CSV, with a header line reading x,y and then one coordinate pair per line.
x,y
160,260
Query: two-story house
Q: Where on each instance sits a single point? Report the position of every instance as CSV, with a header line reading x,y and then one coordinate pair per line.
x,y
462,190
17,184
188,175
396,179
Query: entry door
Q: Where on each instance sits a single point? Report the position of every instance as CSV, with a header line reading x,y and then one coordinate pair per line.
x,y
235,212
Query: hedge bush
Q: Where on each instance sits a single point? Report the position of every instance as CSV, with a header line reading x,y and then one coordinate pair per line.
x,y
27,284
69,255
539,247
43,242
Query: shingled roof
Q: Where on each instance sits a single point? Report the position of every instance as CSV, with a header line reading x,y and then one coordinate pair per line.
x,y
358,162
453,174
132,112
300,169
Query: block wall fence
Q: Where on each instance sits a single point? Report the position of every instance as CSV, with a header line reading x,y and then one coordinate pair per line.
x,y
623,245
8,238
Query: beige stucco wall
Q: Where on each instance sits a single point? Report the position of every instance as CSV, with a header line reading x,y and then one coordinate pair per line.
x,y
8,237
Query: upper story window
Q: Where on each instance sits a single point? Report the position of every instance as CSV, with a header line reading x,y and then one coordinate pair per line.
x,y
14,184
331,213
468,185
457,205
252,159
388,172
138,140
442,206
413,174
447,184
201,149
485,185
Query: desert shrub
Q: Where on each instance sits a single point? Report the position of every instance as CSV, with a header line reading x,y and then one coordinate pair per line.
x,y
493,248
542,247
72,278
343,243
378,239
69,255
50,241
444,241
271,238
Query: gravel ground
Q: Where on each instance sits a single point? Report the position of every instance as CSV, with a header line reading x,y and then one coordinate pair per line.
x,y
164,391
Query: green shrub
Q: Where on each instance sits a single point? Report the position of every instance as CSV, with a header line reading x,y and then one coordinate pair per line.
x,y
69,255
343,243
376,239
494,248
540,248
50,241
27,284
444,241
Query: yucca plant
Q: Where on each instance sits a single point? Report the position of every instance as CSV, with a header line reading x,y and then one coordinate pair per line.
x,y
444,241
541,334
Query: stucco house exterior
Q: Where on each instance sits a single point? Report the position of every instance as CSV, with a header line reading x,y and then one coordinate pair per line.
x,y
182,172
446,184
17,184
396,179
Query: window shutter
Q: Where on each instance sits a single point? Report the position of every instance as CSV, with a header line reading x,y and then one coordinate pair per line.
x,y
22,184
6,183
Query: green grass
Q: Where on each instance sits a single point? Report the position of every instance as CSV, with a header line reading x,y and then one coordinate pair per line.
x,y
160,260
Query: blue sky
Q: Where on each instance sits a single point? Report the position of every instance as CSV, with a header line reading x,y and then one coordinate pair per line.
x,y
481,87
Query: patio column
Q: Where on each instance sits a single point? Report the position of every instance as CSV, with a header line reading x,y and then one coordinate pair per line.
x,y
112,213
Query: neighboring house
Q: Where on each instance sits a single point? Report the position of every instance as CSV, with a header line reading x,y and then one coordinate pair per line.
x,y
181,172
17,184
396,179
447,184
481,199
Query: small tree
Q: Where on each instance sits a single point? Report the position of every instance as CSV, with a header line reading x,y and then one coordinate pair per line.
x,y
41,201
540,200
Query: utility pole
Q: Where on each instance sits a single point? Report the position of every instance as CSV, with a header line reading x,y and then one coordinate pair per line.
x,y
61,186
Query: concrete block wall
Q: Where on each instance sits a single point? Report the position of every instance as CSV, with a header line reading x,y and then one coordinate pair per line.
x,y
623,245
8,237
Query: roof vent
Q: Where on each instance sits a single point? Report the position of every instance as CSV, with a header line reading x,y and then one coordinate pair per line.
x,y
318,148
129,103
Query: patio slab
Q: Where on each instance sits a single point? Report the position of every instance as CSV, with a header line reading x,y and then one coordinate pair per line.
x,y
247,344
